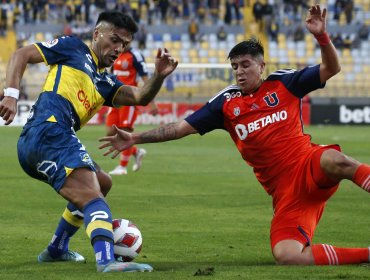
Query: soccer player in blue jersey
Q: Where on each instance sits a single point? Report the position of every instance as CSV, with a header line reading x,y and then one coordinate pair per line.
x,y
76,86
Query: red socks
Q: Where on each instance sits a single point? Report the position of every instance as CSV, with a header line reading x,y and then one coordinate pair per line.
x,y
126,154
329,255
362,177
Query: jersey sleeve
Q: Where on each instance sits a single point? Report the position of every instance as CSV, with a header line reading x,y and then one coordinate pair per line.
x,y
58,50
300,82
115,84
139,63
209,117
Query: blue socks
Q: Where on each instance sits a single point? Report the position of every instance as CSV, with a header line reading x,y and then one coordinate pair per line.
x,y
98,223
70,222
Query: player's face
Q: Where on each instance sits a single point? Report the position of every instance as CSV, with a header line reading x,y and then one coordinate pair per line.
x,y
248,72
109,43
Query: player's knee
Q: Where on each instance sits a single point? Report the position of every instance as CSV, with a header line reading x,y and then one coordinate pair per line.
x,y
290,252
105,182
338,164
283,257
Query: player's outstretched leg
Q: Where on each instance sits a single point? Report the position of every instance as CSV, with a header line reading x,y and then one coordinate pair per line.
x,y
292,252
325,254
57,249
362,177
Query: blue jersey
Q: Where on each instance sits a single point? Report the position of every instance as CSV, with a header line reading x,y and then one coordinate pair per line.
x,y
75,88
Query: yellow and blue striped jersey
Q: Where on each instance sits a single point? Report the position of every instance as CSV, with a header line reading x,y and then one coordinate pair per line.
x,y
74,89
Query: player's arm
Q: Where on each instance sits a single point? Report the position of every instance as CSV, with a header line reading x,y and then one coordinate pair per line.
x,y
14,73
316,24
153,105
165,64
122,140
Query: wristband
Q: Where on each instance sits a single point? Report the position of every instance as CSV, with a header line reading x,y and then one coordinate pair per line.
x,y
12,92
323,39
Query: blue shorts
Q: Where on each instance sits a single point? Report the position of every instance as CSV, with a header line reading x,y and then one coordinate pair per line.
x,y
49,152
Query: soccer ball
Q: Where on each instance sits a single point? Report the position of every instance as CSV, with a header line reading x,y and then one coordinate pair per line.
x,y
127,239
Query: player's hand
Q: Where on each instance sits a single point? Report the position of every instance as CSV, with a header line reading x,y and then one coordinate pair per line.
x,y
8,109
165,64
316,20
117,143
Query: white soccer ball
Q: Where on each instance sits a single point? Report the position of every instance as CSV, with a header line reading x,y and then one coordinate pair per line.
x,y
127,239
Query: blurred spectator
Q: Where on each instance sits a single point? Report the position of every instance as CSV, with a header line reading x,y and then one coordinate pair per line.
x,y
175,9
298,34
228,12
16,14
363,32
141,36
258,12
348,10
87,11
151,11
337,41
338,9
185,9
221,34
201,10
268,12
27,6
4,7
193,30
236,6
273,30
163,6
347,42
134,7
356,42
78,10
214,8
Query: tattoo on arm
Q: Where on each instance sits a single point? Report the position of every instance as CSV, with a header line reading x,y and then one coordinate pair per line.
x,y
160,134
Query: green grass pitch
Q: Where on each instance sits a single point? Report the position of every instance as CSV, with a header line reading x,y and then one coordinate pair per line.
x,y
197,204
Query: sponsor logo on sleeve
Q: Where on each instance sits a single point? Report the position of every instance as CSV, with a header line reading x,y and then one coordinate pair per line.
x,y
50,44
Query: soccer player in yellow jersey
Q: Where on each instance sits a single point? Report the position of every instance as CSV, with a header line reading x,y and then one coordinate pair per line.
x,y
76,86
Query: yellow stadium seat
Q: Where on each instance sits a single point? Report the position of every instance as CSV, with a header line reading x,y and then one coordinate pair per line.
x,y
204,60
176,45
193,53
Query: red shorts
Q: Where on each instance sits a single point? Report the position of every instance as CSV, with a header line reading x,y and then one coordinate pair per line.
x,y
123,117
299,200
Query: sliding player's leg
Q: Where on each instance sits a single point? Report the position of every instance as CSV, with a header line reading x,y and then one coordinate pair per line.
x,y
340,166
293,245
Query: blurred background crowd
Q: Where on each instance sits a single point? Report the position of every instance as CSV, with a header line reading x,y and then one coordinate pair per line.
x,y
202,32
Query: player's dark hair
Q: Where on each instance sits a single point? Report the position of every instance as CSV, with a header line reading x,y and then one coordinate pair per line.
x,y
252,46
118,20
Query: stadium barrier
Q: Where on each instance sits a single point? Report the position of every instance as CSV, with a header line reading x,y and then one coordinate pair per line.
x,y
168,112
